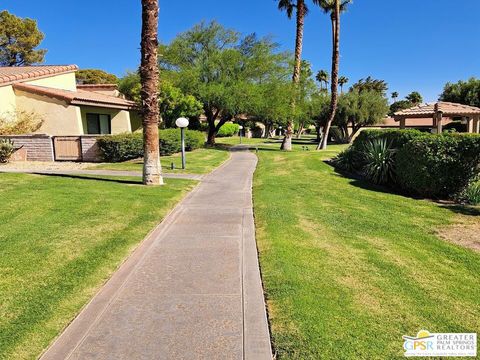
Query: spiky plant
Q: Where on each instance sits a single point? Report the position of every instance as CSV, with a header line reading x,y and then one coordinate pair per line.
x,y
379,161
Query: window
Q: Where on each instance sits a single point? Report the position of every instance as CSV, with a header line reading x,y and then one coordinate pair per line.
x,y
98,124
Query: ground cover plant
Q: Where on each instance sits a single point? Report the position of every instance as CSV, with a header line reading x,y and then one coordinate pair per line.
x,y
60,239
344,261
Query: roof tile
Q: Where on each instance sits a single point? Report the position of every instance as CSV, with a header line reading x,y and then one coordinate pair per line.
x,y
12,74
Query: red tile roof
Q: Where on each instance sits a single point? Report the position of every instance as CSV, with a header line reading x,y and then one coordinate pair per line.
x,y
13,74
79,97
93,87
429,110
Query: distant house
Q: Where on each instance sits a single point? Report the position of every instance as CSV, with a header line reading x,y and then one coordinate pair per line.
x,y
67,108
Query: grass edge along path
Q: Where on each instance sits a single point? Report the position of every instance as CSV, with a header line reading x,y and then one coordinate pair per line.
x,y
348,268
61,238
200,161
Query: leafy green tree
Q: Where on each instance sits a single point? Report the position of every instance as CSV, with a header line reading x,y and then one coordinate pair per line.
x,y
414,97
221,69
358,109
370,84
95,76
18,41
462,92
173,103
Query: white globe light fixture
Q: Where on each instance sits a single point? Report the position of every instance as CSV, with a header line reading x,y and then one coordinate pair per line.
x,y
182,123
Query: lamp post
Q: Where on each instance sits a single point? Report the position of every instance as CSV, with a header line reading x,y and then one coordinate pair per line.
x,y
280,130
240,128
182,123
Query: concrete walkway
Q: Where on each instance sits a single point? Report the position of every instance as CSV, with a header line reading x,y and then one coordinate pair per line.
x,y
98,173
192,290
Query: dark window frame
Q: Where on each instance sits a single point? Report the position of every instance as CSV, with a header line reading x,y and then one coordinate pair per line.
x,y
98,123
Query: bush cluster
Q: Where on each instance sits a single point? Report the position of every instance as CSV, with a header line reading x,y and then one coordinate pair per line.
x,y
123,147
228,130
6,150
437,166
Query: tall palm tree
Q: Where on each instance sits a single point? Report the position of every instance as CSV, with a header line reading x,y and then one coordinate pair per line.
x,y
323,77
301,12
149,77
334,8
342,80
394,96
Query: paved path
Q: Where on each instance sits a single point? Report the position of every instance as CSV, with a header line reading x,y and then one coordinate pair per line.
x,y
98,173
192,290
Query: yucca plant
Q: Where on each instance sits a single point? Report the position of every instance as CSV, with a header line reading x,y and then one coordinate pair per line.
x,y
6,150
379,161
472,193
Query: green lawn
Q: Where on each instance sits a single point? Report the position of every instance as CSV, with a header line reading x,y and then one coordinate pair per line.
x,y
60,239
349,268
200,161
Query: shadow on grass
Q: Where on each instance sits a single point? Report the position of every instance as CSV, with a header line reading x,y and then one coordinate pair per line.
x,y
95,178
462,209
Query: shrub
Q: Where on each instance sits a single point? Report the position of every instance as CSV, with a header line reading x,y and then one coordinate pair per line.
x,y
438,166
6,150
228,130
471,194
20,122
170,141
379,161
116,148
347,160
396,138
123,147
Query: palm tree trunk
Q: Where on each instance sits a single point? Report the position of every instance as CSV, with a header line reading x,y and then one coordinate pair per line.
x,y
335,67
301,11
152,171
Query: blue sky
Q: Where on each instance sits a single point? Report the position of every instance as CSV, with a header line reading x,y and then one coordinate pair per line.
x,y
412,44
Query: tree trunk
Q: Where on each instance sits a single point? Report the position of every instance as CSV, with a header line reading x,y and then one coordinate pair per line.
x,y
300,129
335,67
152,171
301,11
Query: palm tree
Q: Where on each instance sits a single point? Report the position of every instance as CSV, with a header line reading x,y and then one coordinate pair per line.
x,y
301,12
323,77
334,8
414,97
342,80
149,77
394,96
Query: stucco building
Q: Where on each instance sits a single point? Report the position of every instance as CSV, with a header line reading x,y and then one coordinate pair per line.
x,y
66,108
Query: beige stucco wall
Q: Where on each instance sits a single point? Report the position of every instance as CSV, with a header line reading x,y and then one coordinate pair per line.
x,y
7,100
60,118
120,118
135,120
62,81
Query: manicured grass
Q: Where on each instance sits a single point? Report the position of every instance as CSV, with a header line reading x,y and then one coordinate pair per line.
x,y
200,161
349,268
60,239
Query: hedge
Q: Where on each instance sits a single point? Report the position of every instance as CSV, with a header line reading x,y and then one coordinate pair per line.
x,y
438,166
228,130
123,147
